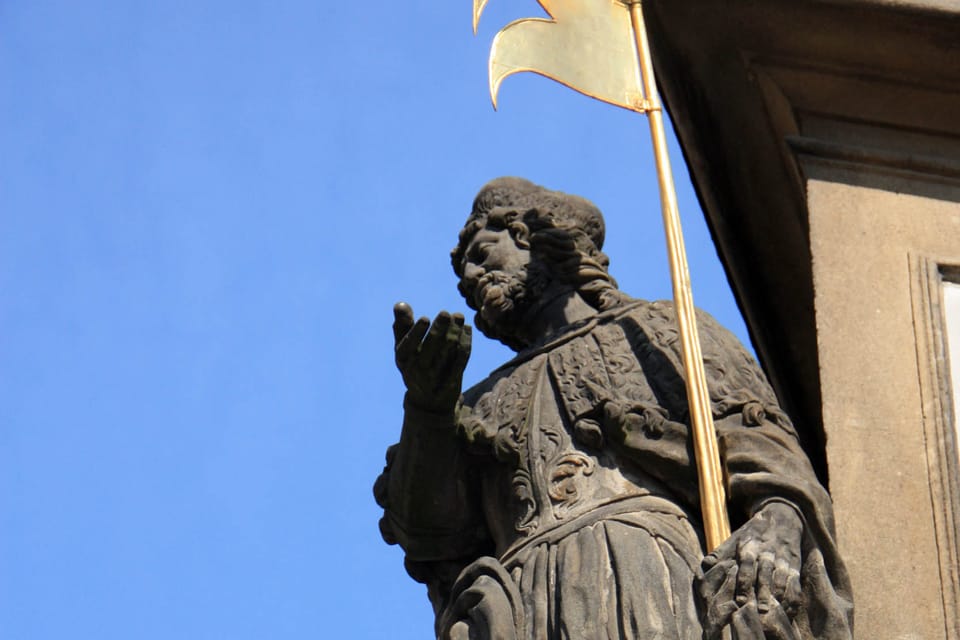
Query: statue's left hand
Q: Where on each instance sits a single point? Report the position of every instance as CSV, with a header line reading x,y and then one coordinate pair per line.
x,y
752,581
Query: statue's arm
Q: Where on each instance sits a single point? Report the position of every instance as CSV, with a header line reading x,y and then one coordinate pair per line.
x,y
428,489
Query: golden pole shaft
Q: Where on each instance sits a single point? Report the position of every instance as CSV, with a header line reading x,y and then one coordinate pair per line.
x,y
713,503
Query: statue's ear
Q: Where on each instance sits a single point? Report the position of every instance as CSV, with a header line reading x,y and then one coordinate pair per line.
x,y
520,231
520,234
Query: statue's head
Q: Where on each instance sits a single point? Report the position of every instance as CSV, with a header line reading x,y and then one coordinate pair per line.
x,y
522,243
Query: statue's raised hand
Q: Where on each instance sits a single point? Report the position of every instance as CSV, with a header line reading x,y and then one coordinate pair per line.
x,y
431,357
752,581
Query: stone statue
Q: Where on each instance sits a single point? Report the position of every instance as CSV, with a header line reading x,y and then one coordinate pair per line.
x,y
558,498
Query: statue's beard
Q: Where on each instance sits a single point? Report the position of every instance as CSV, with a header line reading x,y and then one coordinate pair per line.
x,y
503,301
499,294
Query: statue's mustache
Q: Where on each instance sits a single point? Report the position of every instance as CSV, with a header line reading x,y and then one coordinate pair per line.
x,y
509,282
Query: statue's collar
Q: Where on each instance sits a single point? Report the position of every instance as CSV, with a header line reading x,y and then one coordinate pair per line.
x,y
570,332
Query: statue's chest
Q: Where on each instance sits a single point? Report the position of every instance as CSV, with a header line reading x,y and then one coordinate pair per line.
x,y
544,426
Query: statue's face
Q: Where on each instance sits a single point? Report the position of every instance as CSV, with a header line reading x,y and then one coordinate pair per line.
x,y
494,280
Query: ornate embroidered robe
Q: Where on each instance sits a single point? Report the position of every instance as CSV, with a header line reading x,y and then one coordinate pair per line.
x,y
567,501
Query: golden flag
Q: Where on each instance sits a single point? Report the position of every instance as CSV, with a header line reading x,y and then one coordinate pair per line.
x,y
587,45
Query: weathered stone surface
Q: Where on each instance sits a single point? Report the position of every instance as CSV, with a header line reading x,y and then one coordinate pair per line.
x,y
558,498
893,455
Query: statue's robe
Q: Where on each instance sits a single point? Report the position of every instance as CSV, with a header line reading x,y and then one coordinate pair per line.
x,y
566,504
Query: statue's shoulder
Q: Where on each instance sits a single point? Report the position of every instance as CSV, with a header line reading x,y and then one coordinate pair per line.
x,y
660,316
635,315
499,376
496,401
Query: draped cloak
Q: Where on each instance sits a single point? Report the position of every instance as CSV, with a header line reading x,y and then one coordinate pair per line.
x,y
565,503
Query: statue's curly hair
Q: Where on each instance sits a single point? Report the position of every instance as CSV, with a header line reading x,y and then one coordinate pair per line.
x,y
565,232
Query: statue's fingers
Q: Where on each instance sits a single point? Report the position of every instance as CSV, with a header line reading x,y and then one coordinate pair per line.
x,y
452,358
726,551
781,574
720,604
463,348
747,576
765,569
777,625
793,594
745,623
402,320
454,330
713,580
433,343
409,343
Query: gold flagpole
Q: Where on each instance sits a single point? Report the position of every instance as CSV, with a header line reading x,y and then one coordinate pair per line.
x,y
716,523
600,48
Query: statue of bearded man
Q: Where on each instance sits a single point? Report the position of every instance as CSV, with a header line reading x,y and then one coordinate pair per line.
x,y
558,498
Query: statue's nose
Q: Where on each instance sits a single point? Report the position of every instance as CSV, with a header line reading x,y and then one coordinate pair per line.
x,y
472,272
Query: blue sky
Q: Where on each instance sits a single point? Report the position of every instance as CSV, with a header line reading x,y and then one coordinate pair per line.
x,y
207,211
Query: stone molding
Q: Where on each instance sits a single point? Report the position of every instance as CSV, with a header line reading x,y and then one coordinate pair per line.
x,y
943,454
